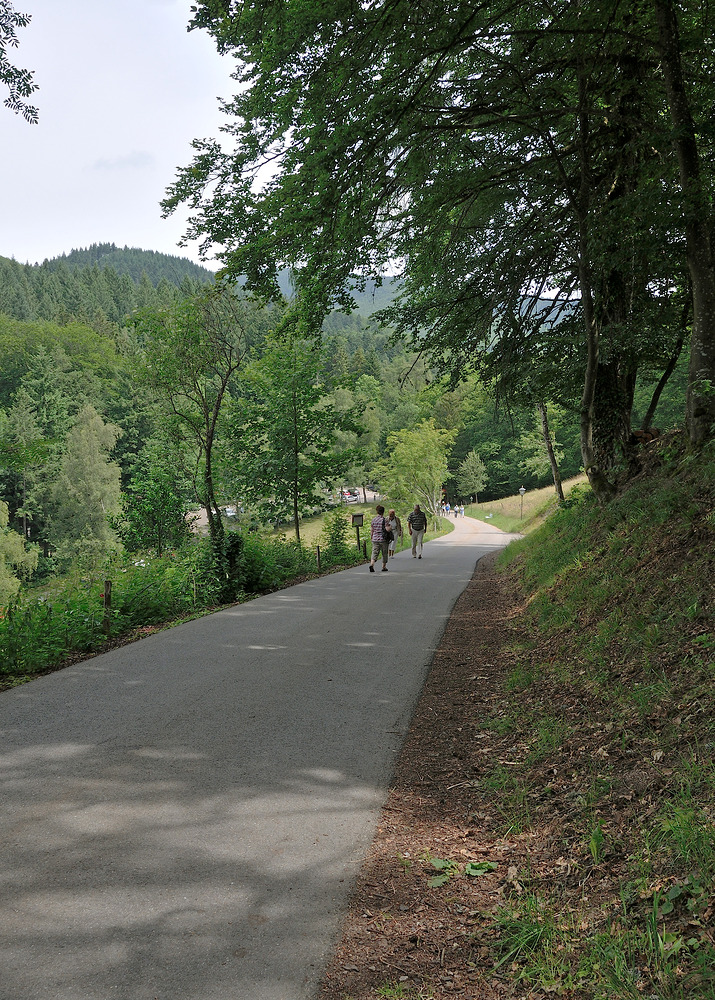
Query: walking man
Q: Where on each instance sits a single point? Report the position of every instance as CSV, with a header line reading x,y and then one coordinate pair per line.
x,y
377,537
417,523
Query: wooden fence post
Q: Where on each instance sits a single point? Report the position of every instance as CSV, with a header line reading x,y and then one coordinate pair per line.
x,y
107,624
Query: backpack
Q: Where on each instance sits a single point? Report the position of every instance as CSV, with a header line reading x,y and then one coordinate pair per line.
x,y
386,533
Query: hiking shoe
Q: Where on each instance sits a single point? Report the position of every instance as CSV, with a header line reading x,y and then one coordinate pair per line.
x,y
419,557
372,569
384,569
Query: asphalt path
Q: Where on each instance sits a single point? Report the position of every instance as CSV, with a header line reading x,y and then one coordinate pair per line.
x,y
183,818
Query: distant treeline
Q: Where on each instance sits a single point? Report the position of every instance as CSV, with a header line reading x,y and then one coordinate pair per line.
x,y
106,282
134,262
102,282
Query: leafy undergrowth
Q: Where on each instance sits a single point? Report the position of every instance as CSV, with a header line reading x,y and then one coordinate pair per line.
x,y
67,620
551,828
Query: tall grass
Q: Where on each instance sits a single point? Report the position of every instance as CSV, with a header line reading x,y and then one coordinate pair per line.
x,y
521,515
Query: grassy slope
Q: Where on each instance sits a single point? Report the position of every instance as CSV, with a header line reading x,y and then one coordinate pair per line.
x,y
612,689
312,528
517,514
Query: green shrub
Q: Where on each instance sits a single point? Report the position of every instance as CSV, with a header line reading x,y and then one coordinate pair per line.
x,y
337,548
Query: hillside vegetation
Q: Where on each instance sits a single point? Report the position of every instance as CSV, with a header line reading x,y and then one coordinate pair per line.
x,y
551,829
608,720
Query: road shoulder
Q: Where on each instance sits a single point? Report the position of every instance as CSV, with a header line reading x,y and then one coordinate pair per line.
x,y
399,929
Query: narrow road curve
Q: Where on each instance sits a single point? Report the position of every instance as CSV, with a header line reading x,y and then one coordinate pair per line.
x,y
183,818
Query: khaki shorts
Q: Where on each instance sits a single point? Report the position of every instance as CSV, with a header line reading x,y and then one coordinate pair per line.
x,y
377,548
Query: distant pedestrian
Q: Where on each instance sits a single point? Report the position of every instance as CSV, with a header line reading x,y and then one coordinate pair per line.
x,y
461,510
447,508
417,524
378,530
395,526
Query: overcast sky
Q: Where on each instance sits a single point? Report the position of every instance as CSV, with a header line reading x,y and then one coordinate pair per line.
x,y
124,88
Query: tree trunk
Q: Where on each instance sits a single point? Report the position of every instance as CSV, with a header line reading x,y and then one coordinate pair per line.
x,y
596,475
296,456
296,514
700,403
662,382
612,420
541,408
213,514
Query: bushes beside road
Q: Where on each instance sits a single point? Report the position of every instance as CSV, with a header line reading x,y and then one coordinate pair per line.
x,y
44,630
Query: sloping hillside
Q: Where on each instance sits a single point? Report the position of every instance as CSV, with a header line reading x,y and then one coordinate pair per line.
x,y
368,301
551,828
134,262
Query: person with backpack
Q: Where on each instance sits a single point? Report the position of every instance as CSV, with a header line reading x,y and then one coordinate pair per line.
x,y
417,524
380,536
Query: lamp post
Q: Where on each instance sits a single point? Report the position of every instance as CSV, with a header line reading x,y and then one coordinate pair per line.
x,y
522,491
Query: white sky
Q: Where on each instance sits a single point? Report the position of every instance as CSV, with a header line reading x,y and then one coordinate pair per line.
x,y
123,91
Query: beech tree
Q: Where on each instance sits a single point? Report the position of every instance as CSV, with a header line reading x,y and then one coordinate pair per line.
x,y
493,152
542,451
417,467
192,353
697,209
153,506
472,476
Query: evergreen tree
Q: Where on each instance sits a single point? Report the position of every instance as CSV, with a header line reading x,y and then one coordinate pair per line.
x,y
86,493
23,452
16,559
338,364
47,386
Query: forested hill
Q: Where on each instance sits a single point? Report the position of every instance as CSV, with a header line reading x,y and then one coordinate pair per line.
x,y
134,262
368,300
104,282
93,287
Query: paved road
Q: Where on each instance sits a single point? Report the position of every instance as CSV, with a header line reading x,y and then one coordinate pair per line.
x,y
183,818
